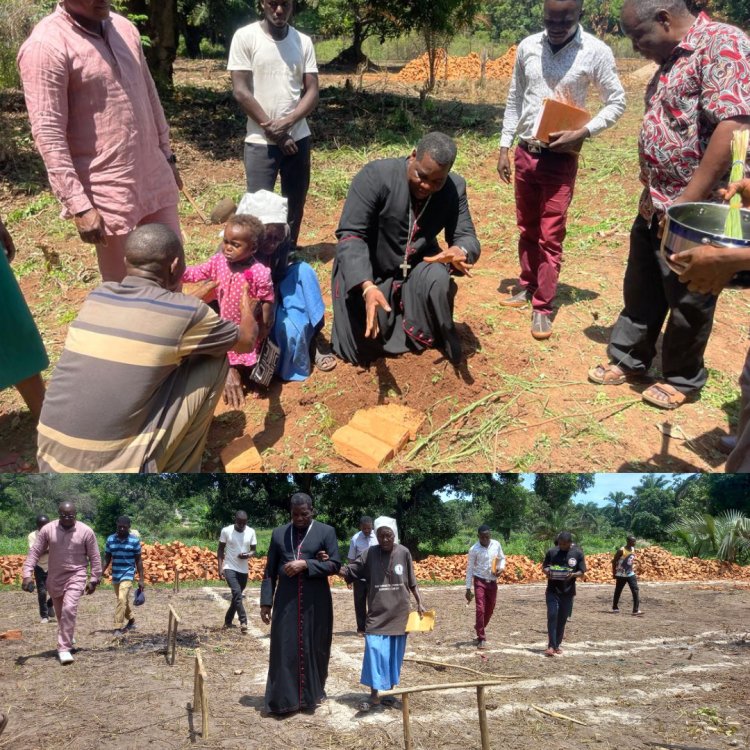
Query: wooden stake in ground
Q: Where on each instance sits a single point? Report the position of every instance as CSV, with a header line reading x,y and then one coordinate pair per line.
x,y
481,705
200,701
176,584
197,210
172,623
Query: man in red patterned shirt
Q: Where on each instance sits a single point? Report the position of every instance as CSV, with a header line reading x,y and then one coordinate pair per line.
x,y
697,98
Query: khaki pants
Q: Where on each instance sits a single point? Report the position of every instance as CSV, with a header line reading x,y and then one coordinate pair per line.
x,y
123,612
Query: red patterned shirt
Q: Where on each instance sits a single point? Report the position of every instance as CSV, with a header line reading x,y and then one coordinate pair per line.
x,y
705,81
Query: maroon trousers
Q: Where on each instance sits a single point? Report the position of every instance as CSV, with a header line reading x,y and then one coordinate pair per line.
x,y
485,593
544,185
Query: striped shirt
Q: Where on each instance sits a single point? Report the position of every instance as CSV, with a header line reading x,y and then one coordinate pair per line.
x,y
121,377
123,552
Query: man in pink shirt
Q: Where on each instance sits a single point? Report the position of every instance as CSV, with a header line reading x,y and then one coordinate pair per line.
x,y
99,126
72,548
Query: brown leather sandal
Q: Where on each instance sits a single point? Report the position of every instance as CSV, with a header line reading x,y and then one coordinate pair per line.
x,y
607,375
673,400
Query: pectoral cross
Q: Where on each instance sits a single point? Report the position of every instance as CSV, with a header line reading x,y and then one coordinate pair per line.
x,y
405,267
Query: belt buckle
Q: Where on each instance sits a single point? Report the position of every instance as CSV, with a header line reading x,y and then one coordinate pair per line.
x,y
533,147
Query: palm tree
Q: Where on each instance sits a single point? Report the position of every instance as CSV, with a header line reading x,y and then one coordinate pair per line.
x,y
617,500
727,536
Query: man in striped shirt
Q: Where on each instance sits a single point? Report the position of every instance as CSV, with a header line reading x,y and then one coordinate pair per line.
x,y
142,369
486,562
123,550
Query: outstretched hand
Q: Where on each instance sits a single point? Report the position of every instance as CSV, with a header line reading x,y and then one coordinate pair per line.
x,y
455,256
373,300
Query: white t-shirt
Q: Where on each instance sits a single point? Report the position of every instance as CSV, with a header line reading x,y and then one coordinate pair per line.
x,y
43,560
236,542
278,69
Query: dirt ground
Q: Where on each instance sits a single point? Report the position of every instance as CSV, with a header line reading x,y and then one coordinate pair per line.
x,y
675,679
516,404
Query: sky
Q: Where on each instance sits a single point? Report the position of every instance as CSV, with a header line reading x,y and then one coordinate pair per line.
x,y
603,485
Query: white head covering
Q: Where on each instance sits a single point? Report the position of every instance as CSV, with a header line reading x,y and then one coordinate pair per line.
x,y
269,207
389,522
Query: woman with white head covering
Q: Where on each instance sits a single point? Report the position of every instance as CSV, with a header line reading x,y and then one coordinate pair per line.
x,y
300,308
388,571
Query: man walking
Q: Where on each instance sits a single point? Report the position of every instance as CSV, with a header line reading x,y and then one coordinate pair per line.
x,y
561,63
361,541
46,609
99,126
562,565
275,80
623,571
698,97
237,545
486,562
123,550
72,549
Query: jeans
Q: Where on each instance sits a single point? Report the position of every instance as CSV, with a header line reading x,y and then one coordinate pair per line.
x,y
559,607
486,596
360,604
46,609
544,189
620,585
237,582
264,163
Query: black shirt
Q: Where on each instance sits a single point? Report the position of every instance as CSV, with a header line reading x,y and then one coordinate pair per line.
x,y
563,563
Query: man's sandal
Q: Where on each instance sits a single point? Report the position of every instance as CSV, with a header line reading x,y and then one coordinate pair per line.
x,y
607,375
325,359
664,396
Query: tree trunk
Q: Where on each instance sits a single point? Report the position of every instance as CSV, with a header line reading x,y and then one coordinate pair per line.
x,y
162,52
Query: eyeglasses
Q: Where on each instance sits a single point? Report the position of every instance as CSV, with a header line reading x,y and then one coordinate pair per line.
x,y
67,516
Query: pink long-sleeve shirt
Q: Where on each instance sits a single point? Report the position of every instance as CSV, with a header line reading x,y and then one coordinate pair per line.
x,y
97,120
70,552
229,291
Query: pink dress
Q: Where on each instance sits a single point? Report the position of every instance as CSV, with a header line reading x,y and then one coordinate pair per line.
x,y
259,285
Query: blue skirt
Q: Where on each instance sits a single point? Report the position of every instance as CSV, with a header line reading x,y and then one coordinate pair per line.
x,y
381,666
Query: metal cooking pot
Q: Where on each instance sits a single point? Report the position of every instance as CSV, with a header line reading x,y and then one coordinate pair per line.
x,y
692,224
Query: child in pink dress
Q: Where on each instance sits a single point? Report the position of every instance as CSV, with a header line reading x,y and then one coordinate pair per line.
x,y
233,268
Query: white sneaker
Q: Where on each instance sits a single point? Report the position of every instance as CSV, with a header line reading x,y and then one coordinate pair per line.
x,y
44,621
65,657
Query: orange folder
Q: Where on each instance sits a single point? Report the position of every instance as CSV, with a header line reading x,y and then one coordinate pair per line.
x,y
555,115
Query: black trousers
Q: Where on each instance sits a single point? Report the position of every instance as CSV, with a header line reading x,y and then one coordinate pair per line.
x,y
653,293
45,600
620,585
559,607
264,163
360,604
237,582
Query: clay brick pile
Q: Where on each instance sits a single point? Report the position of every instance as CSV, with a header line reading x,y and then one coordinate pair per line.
x,y
452,68
199,564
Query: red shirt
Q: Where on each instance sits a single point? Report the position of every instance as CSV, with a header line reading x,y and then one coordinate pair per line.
x,y
706,80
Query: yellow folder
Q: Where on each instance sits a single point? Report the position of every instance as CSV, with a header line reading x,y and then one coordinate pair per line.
x,y
424,625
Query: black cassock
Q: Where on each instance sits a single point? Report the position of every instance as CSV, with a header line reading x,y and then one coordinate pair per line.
x,y
373,235
301,617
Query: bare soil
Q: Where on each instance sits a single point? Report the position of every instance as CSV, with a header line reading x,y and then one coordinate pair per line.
x,y
539,412
676,678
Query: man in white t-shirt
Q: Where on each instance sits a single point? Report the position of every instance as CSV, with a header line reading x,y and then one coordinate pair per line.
x,y
275,81
46,610
236,546
361,541
486,562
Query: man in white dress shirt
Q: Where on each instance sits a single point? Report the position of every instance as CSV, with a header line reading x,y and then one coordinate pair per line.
x,y
361,541
486,562
237,545
561,63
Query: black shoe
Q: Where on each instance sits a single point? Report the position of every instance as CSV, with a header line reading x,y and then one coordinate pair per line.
x,y
519,299
541,326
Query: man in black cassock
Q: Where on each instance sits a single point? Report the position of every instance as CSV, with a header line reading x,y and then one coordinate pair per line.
x,y
391,284
296,599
